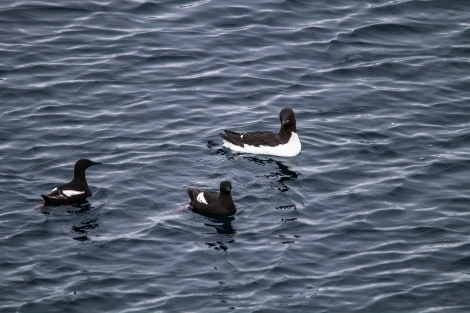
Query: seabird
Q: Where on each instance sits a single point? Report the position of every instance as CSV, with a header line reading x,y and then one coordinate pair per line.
x,y
210,202
74,192
285,143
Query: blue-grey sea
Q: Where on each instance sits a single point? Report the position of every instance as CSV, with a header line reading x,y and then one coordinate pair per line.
x,y
372,216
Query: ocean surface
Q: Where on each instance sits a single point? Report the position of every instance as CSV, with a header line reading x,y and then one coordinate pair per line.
x,y
372,216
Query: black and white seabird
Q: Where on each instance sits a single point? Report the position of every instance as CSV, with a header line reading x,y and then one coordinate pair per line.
x,y
285,143
74,192
210,202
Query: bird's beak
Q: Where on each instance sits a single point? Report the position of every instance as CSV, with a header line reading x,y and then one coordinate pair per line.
x,y
96,163
285,122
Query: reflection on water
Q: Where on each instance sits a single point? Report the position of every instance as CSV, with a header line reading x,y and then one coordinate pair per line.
x,y
282,175
79,208
287,168
289,240
222,224
85,227
86,223
287,207
219,245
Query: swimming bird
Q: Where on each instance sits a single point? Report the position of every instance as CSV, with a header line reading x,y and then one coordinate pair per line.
x,y
211,202
285,143
73,192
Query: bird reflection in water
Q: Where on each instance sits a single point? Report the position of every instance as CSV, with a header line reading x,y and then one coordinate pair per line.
x,y
286,168
282,175
85,227
219,245
223,225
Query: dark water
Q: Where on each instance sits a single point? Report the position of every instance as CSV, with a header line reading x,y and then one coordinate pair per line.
x,y
372,216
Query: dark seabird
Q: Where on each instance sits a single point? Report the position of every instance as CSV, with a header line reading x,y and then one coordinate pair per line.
x,y
285,143
74,192
211,202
